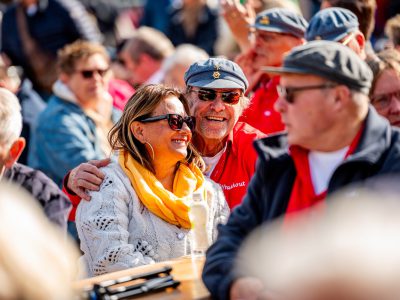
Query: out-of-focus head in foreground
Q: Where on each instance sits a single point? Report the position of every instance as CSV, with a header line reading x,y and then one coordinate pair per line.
x,y
347,249
36,262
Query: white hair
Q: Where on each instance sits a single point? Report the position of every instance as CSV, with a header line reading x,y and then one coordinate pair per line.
x,y
184,55
10,118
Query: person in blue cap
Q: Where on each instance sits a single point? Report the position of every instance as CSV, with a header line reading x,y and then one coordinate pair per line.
x,y
276,31
338,25
334,138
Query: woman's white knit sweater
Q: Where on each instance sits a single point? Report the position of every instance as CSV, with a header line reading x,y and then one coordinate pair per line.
x,y
118,232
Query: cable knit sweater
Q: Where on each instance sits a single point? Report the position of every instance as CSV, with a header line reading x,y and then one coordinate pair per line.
x,y
118,232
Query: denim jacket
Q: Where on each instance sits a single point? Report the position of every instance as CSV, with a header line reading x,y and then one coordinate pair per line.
x,y
64,137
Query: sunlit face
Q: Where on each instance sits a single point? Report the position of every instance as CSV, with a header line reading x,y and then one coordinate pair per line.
x,y
214,119
169,145
89,88
310,114
386,96
271,47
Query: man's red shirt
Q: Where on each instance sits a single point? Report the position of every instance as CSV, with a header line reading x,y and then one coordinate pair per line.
x,y
261,113
237,164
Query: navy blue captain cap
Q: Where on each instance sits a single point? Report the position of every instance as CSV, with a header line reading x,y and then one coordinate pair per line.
x,y
281,20
332,24
217,73
330,60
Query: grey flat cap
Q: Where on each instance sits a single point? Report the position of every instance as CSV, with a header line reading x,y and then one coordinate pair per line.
x,y
331,24
281,20
329,60
218,73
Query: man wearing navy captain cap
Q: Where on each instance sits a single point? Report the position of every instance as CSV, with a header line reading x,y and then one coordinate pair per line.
x,y
215,88
276,32
334,138
338,25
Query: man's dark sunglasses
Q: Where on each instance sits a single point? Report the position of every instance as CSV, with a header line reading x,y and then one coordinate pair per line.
x,y
228,97
289,92
175,121
90,73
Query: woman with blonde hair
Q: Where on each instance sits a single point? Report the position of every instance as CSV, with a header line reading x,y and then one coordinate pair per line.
x,y
140,214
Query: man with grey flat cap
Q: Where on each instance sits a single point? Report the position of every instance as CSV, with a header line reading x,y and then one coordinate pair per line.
x,y
334,138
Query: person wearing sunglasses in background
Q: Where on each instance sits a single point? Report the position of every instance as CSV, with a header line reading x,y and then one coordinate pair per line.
x,y
140,213
74,126
215,89
334,138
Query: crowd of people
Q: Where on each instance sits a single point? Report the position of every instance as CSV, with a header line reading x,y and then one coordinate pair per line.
x,y
261,108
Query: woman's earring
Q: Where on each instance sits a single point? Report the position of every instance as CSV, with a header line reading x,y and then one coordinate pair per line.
x,y
151,148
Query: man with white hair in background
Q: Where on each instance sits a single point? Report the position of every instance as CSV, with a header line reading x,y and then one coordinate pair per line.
x,y
176,65
55,204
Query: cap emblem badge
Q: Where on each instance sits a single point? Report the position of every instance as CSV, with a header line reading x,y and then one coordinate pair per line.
x,y
264,20
216,74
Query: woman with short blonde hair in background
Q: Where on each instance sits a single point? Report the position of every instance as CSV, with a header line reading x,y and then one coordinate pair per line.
x,y
140,215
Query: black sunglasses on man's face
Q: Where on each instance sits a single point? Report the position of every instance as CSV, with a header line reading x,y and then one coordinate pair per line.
x,y
229,97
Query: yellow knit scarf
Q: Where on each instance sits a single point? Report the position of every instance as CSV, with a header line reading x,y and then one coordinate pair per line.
x,y
171,207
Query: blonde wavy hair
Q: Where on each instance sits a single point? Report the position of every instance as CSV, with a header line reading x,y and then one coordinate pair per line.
x,y
141,105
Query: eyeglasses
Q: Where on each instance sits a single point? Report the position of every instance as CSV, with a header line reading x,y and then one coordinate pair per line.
x,y
347,39
289,92
383,101
228,97
175,121
90,73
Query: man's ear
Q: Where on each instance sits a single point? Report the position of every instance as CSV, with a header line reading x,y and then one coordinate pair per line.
x,y
138,130
360,40
15,152
343,96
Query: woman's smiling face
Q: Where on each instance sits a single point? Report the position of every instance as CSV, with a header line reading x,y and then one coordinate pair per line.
x,y
168,145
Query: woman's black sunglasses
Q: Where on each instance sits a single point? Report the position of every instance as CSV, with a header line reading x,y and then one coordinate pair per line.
x,y
175,121
229,97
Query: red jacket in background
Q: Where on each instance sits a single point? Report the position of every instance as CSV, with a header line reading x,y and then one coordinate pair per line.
x,y
236,166
261,113
121,91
